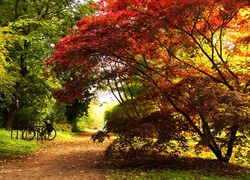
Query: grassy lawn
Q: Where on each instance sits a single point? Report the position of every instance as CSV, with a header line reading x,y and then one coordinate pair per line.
x,y
167,175
13,147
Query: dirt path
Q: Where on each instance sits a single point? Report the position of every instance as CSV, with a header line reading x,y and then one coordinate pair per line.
x,y
77,158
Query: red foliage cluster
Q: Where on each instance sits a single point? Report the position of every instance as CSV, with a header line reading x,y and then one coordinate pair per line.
x,y
190,52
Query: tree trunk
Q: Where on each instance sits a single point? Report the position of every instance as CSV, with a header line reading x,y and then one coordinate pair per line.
x,y
74,126
11,116
217,153
231,143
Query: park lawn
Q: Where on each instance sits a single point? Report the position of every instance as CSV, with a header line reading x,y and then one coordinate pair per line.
x,y
13,147
168,175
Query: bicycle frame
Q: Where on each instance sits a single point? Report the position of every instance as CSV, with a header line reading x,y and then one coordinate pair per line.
x,y
47,132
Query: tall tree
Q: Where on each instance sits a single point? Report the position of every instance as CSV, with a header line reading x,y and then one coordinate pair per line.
x,y
7,80
37,25
195,53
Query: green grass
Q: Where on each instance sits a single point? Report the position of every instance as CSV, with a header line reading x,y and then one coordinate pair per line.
x,y
60,135
165,175
11,147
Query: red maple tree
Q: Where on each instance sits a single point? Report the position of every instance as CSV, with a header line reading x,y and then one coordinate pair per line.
x,y
194,54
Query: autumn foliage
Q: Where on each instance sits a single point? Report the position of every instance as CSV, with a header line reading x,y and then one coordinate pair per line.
x,y
193,57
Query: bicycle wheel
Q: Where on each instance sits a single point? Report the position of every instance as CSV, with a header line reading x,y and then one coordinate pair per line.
x,y
49,134
29,133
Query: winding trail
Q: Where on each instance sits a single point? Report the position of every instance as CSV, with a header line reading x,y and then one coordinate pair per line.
x,y
76,158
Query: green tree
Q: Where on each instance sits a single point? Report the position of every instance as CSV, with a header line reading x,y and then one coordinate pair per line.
x,y
78,109
7,80
32,28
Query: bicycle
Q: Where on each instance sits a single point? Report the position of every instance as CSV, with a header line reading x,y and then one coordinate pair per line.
x,y
47,132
